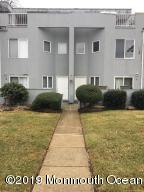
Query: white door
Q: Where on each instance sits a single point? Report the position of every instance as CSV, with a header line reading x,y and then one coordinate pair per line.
x,y
79,81
62,86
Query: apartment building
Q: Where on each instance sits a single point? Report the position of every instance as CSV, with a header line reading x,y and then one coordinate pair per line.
x,y
61,49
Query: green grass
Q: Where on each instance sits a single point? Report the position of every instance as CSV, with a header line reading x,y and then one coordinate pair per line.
x,y
115,143
24,138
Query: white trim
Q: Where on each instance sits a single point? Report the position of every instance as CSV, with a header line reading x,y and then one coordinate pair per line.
x,y
94,82
47,82
19,76
79,53
123,80
43,46
99,46
125,48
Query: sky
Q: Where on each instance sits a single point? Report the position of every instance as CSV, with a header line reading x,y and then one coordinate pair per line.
x,y
136,5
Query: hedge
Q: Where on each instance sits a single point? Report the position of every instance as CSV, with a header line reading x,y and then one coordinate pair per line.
x,y
137,99
115,99
48,100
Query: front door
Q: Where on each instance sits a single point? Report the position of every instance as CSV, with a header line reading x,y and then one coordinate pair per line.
x,y
62,86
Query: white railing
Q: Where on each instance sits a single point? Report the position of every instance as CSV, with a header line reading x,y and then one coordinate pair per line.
x,y
125,20
19,19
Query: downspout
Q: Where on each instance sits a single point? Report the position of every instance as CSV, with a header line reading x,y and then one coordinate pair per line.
x,y
142,64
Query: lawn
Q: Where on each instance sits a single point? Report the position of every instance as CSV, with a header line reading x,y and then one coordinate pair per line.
x,y
24,139
115,143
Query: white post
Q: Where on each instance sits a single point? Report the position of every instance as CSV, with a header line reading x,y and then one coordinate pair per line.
x,y
142,64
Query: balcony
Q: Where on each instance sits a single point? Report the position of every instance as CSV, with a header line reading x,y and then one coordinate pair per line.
x,y
17,19
125,21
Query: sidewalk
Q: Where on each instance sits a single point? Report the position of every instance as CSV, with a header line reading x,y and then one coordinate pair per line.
x,y
67,156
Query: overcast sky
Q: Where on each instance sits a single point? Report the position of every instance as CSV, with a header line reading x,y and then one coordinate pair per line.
x,y
136,5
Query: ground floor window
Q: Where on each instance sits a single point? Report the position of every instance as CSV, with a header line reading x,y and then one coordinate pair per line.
x,y
95,80
21,80
123,81
47,82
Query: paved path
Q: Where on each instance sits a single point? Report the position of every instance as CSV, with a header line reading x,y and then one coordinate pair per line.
x,y
66,156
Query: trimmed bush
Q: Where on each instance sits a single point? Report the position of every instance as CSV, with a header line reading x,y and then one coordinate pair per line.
x,y
14,93
115,99
137,99
48,100
88,95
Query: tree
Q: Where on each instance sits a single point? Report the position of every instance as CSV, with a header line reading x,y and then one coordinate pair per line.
x,y
12,3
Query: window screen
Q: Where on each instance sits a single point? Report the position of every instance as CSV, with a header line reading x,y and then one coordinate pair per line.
x,y
80,48
94,81
118,83
129,49
13,48
128,83
44,81
120,48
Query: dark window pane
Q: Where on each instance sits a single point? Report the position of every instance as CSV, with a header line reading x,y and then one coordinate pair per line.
x,y
95,46
45,82
49,82
128,83
92,80
120,48
47,46
97,81
14,79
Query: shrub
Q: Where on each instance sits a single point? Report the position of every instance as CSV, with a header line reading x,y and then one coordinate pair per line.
x,y
49,100
88,95
115,99
14,93
137,99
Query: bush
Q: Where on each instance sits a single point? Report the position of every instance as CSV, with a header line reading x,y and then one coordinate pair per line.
x,y
115,99
14,93
49,100
88,95
137,99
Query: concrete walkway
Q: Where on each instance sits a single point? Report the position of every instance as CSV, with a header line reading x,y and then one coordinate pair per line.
x,y
67,156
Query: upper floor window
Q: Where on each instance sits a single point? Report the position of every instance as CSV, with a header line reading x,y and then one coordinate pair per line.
x,y
47,82
18,19
95,81
18,48
47,46
21,80
127,82
62,48
125,48
95,46
80,48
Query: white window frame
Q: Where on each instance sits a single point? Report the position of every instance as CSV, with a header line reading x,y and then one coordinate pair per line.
x,y
99,46
43,46
123,77
18,39
20,76
47,82
80,53
94,78
125,48
58,48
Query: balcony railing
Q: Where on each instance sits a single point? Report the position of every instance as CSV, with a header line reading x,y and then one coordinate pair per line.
x,y
125,20
18,19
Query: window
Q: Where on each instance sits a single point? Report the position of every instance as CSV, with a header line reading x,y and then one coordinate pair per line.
x,y
62,48
95,81
95,46
123,81
21,80
47,46
18,48
80,48
124,48
47,82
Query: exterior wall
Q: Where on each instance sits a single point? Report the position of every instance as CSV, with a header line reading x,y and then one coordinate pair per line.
x,y
55,27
